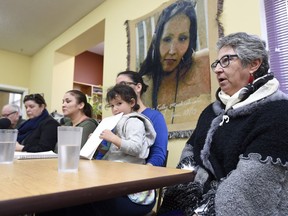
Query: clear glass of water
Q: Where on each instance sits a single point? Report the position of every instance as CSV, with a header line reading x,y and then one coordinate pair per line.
x,y
69,144
8,139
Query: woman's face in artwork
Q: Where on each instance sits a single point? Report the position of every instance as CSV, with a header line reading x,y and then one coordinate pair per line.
x,y
33,109
174,42
70,105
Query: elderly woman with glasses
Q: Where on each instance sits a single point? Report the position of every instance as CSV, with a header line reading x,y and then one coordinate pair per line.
x,y
239,149
39,132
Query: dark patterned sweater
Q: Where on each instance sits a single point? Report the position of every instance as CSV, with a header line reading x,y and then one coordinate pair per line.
x,y
242,166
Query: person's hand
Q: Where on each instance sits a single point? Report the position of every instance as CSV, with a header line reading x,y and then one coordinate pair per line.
x,y
18,147
107,135
110,137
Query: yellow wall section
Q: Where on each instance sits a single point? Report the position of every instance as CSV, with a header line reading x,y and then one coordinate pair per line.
x,y
63,66
242,15
14,69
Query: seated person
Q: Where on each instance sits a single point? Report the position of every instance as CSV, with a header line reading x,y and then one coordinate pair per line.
x,y
12,112
78,113
39,132
134,133
239,148
157,155
158,150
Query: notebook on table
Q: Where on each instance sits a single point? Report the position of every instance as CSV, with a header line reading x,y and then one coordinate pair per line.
x,y
34,155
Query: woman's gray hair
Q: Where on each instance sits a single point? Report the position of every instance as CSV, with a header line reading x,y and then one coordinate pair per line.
x,y
248,48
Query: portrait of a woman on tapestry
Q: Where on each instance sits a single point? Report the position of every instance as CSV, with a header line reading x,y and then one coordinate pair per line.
x,y
176,67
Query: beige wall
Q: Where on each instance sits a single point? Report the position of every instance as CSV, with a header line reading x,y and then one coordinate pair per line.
x,y
14,69
242,15
51,72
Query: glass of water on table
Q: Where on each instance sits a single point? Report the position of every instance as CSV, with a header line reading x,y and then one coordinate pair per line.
x,y
7,145
69,144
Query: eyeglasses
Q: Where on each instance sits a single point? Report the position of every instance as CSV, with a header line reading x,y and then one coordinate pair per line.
x,y
127,83
7,115
224,61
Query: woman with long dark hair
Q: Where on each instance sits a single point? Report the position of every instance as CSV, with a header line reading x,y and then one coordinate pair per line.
x,y
175,72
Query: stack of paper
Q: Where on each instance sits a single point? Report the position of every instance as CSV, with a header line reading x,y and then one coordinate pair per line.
x,y
34,155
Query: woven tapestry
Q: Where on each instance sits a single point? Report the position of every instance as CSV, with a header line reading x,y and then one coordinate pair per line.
x,y
181,108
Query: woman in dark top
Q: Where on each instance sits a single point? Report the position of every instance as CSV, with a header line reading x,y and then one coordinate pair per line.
x,y
39,132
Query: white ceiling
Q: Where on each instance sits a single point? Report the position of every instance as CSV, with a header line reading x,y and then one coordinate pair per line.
x,y
26,26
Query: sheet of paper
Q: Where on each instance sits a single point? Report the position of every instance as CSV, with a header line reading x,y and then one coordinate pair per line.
x,y
34,155
94,141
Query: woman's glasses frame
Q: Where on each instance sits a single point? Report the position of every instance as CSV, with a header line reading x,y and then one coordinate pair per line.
x,y
224,61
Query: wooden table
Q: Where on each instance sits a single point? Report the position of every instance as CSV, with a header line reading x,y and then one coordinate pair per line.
x,y
36,185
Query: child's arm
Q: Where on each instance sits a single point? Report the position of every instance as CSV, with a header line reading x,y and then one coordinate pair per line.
x,y
111,137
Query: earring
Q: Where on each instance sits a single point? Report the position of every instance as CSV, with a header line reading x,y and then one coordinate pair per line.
x,y
251,78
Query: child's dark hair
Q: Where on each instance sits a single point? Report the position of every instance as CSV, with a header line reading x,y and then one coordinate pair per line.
x,y
81,98
125,92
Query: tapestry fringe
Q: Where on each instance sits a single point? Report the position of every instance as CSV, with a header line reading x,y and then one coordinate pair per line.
x,y
128,44
179,134
218,15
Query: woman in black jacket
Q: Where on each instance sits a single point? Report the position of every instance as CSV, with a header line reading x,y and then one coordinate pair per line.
x,y
39,132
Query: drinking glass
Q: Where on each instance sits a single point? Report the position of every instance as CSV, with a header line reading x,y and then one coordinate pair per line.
x,y
8,139
69,144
